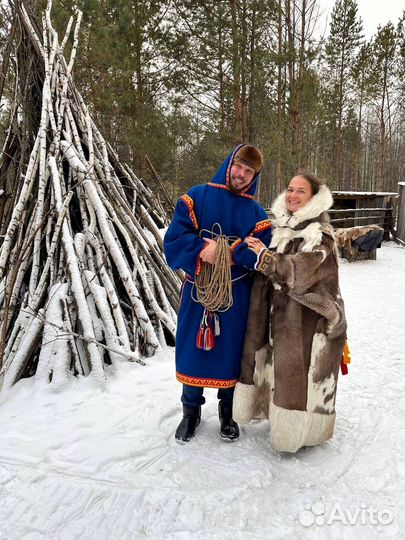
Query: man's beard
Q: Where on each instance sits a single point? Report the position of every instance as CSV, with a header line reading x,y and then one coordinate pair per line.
x,y
239,190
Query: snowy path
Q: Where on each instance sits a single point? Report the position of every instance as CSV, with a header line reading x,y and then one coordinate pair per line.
x,y
95,464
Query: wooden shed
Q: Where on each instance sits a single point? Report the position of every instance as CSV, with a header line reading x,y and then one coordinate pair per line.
x,y
355,208
400,223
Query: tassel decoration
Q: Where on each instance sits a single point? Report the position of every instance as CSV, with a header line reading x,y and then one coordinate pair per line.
x,y
208,330
346,359
217,329
200,338
346,353
343,368
209,339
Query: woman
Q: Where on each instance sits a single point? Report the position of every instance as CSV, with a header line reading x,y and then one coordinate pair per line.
x,y
290,375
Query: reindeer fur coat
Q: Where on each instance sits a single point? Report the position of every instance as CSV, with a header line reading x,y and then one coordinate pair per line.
x,y
296,330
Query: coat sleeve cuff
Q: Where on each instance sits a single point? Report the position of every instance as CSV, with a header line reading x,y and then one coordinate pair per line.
x,y
264,260
198,266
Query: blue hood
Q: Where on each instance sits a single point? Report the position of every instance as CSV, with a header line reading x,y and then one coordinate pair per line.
x,y
222,176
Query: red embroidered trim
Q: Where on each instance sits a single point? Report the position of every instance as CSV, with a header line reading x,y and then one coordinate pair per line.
x,y
190,204
261,226
233,247
199,262
201,381
228,171
221,186
236,244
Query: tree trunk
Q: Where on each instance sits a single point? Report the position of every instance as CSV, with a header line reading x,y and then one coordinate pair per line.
x,y
357,171
280,102
236,68
381,168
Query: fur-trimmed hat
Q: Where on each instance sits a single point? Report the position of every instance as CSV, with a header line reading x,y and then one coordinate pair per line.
x,y
251,156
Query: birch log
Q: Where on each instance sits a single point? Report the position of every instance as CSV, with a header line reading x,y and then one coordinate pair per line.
x,y
83,277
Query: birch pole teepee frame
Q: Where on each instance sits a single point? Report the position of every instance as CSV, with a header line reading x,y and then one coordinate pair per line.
x,y
83,278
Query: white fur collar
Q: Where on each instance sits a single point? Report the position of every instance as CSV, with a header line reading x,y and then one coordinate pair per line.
x,y
311,236
319,203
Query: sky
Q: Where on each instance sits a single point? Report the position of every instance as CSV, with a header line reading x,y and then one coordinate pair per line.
x,y
372,12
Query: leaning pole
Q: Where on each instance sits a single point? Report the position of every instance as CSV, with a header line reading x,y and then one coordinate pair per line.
x,y
83,279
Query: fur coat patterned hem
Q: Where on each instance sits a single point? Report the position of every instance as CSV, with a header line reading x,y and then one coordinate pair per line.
x,y
296,330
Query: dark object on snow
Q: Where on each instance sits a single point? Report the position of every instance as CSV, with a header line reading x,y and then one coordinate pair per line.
x,y
370,241
188,425
359,243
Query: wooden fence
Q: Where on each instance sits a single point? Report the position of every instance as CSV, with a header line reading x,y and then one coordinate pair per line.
x,y
354,208
352,217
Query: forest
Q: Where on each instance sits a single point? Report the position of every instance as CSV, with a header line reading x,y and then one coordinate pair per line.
x,y
177,83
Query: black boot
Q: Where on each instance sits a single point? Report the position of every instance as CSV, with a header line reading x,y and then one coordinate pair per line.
x,y
188,426
229,428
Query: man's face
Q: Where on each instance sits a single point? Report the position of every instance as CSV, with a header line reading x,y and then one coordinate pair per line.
x,y
240,176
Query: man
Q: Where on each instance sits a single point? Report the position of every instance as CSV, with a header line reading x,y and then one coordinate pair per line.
x,y
226,201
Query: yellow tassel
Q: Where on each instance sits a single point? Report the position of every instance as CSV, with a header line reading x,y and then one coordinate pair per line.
x,y
346,354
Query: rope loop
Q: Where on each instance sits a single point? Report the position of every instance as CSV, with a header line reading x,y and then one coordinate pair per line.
x,y
214,283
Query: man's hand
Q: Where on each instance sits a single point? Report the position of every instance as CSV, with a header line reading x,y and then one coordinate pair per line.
x,y
254,244
208,253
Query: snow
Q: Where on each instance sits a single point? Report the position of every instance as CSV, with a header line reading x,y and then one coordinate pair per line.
x,y
150,237
162,232
366,193
94,464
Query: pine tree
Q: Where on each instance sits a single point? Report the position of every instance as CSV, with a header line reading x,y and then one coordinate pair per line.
x,y
363,73
385,54
341,48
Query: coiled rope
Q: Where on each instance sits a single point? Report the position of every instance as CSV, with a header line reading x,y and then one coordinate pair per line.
x,y
214,283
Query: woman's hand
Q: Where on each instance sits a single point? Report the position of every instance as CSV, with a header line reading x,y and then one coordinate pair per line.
x,y
254,244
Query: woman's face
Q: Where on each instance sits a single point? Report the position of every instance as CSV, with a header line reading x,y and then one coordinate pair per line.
x,y
298,193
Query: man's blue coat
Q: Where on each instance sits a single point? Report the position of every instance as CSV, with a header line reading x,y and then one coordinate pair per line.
x,y
195,216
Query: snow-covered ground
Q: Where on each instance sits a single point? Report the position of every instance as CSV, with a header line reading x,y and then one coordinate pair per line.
x,y
96,464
